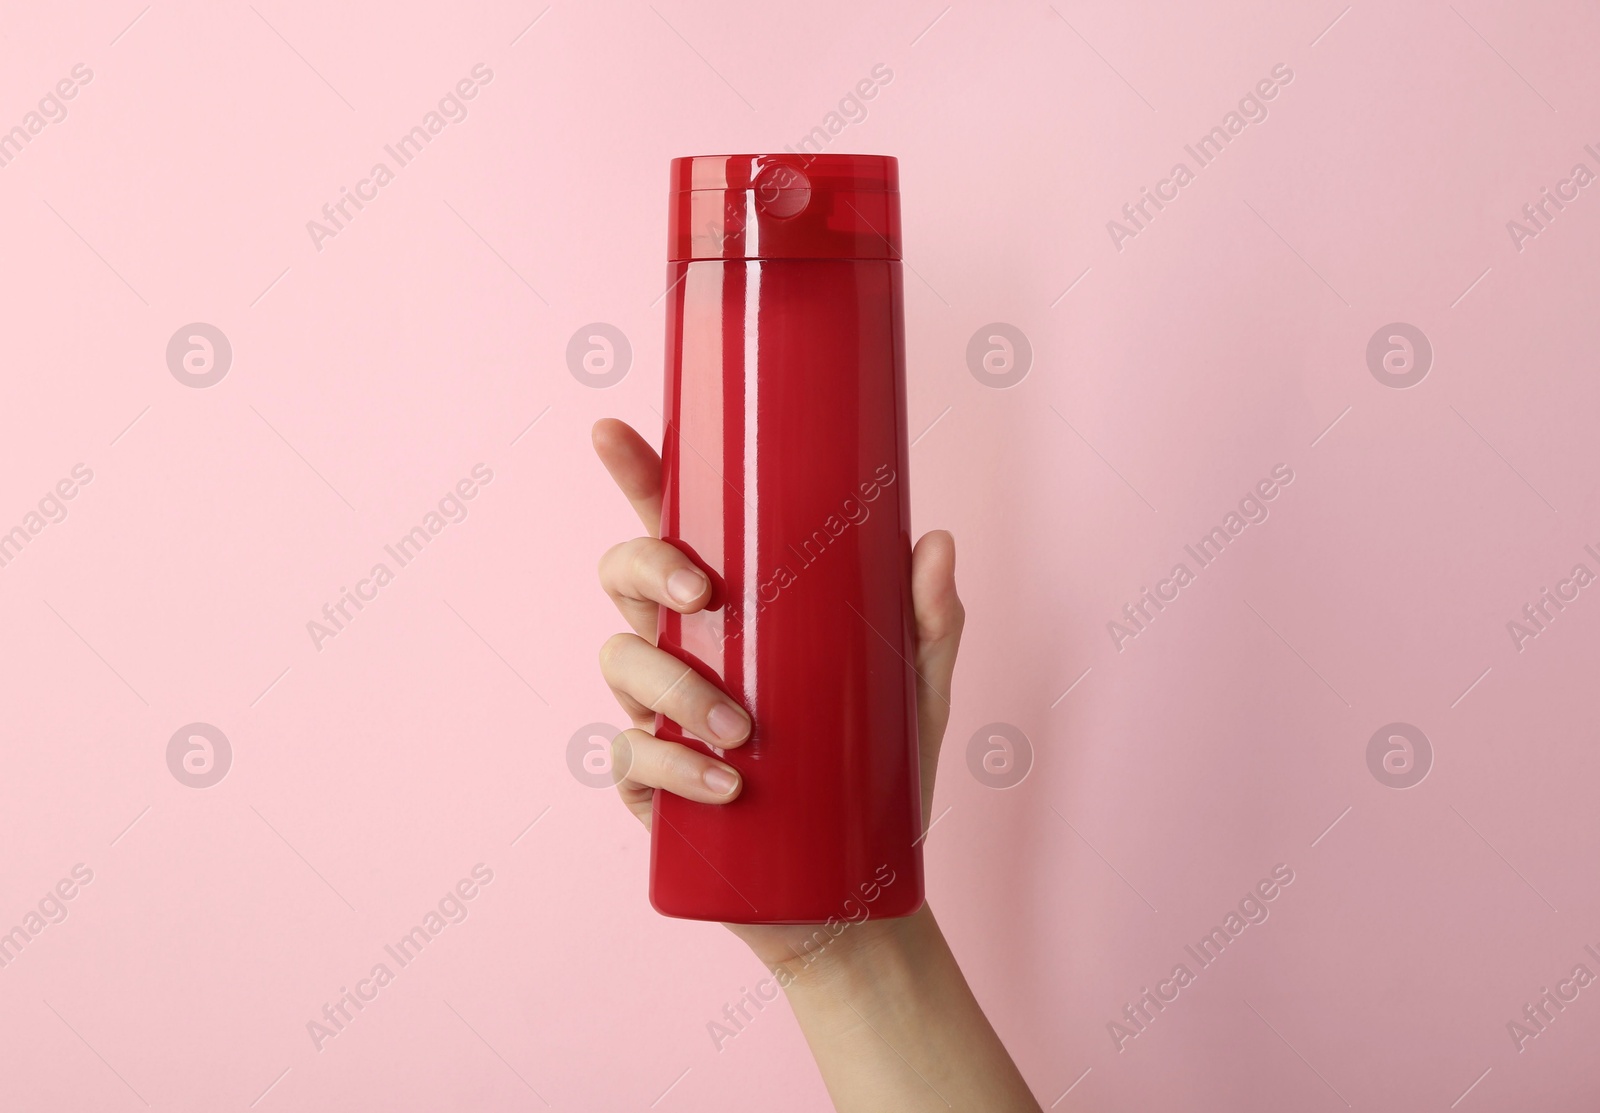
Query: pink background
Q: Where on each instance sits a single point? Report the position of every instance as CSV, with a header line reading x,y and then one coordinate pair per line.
x,y
1229,336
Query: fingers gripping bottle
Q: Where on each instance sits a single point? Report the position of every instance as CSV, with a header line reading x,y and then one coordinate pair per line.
x,y
785,480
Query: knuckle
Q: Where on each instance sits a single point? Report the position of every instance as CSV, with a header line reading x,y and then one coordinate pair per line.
x,y
612,650
616,561
621,757
645,561
608,559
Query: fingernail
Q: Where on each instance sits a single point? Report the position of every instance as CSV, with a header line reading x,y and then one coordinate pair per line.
x,y
727,723
721,781
686,586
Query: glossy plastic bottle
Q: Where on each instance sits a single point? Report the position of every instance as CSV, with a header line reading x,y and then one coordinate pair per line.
x,y
786,481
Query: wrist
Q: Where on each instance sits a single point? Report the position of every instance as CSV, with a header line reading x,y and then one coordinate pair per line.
x,y
863,955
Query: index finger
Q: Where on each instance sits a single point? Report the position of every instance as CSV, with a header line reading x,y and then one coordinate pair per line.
x,y
634,466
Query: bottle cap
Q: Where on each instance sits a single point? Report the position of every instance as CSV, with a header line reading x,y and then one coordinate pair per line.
x,y
788,206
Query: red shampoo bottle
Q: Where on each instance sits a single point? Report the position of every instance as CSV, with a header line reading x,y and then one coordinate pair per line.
x,y
785,472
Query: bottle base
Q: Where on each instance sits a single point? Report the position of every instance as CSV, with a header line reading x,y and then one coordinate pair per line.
x,y
887,906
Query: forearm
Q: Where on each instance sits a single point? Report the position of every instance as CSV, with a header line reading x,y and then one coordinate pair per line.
x,y
894,1027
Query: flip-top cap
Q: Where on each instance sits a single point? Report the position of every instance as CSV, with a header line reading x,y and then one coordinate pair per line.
x,y
788,206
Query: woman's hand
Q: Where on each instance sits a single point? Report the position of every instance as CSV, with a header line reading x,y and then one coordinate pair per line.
x,y
645,573
883,1005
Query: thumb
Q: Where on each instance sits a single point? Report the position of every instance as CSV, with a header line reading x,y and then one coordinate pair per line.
x,y
940,617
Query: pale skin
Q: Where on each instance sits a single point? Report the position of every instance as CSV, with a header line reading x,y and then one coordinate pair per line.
x,y
884,1007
